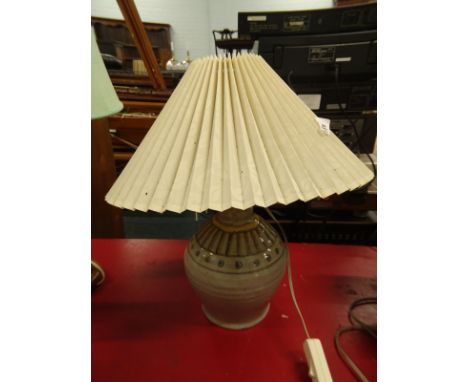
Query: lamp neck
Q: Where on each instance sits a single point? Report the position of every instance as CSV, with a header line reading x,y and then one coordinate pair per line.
x,y
235,219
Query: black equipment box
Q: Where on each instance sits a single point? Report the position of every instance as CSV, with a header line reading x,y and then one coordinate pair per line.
x,y
321,21
315,56
328,56
353,96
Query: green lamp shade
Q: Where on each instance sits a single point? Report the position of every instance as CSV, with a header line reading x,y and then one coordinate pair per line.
x,y
104,100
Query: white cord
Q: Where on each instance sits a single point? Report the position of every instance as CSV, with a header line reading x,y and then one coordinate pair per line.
x,y
290,280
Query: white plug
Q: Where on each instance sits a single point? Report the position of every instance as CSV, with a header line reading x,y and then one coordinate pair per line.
x,y
318,366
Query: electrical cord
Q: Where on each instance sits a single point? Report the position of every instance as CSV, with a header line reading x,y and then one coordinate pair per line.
x,y
372,330
289,81
290,280
357,325
361,136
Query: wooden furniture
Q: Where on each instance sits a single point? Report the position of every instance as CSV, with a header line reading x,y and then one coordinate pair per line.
x,y
143,96
147,324
142,42
114,38
106,220
127,131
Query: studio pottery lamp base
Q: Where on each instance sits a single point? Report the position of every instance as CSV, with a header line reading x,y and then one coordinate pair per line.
x,y
235,263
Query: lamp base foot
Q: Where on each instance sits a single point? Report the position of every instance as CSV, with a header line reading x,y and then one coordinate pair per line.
x,y
236,325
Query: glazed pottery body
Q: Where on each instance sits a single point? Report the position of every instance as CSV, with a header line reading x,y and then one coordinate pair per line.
x,y
235,263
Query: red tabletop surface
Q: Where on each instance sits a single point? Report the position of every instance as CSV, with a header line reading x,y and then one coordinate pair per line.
x,y
147,324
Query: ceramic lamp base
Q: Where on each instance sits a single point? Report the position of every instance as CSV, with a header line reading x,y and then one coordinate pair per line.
x,y
235,263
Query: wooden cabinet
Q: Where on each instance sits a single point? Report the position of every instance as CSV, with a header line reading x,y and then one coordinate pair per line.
x,y
114,38
142,102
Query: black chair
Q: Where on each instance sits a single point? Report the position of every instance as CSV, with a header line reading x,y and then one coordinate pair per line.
x,y
227,42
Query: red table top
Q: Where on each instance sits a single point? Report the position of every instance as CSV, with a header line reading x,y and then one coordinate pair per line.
x,y
147,324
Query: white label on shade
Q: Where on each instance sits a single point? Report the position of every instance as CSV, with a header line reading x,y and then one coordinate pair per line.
x,y
256,18
343,59
324,125
311,100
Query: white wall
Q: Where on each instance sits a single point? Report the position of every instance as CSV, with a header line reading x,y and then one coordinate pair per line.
x,y
193,20
189,20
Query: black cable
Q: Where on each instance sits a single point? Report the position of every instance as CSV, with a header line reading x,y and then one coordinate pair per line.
x,y
357,325
289,81
356,321
344,356
361,136
353,125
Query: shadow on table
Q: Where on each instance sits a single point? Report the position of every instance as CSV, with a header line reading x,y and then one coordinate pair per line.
x,y
301,367
120,321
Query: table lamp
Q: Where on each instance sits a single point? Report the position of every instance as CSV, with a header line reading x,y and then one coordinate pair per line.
x,y
232,136
104,102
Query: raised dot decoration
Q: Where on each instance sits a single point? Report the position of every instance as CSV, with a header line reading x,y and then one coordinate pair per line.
x,y
208,256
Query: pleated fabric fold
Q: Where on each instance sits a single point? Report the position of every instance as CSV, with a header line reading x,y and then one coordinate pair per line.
x,y
233,134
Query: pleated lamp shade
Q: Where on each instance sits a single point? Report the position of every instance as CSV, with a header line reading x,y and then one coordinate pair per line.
x,y
104,100
233,134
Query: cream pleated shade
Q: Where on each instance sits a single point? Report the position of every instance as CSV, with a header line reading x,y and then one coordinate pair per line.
x,y
233,134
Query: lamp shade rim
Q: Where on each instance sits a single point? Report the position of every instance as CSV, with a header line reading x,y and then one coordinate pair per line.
x,y
110,111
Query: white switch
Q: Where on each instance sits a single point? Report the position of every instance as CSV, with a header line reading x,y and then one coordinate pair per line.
x,y
318,366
